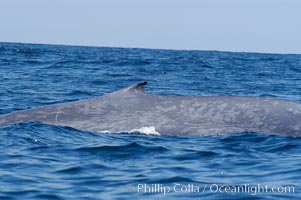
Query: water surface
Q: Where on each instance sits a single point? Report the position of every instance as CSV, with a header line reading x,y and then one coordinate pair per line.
x,y
40,161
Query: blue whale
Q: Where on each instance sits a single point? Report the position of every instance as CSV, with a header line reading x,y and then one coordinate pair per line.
x,y
134,110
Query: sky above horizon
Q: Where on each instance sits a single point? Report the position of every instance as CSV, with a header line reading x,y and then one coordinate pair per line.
x,y
269,26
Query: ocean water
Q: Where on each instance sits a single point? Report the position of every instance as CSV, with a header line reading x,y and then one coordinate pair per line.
x,y
39,161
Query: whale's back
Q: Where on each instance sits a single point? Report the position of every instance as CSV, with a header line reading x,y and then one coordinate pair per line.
x,y
132,109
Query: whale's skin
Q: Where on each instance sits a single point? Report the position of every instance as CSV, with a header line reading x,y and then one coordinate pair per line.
x,y
132,108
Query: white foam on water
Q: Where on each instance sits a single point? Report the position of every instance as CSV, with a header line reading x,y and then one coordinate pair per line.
x,y
148,130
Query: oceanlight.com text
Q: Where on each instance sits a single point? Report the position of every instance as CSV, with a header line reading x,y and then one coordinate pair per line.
x,y
213,188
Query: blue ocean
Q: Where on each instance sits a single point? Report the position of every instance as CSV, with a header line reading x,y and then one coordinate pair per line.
x,y
40,161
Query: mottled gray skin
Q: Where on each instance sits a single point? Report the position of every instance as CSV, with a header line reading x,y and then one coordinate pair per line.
x,y
132,108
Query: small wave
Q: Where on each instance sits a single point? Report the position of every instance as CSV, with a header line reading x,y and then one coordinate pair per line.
x,y
131,147
79,92
195,154
48,196
147,130
71,170
176,179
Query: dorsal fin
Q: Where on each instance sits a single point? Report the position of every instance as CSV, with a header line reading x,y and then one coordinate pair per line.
x,y
137,87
